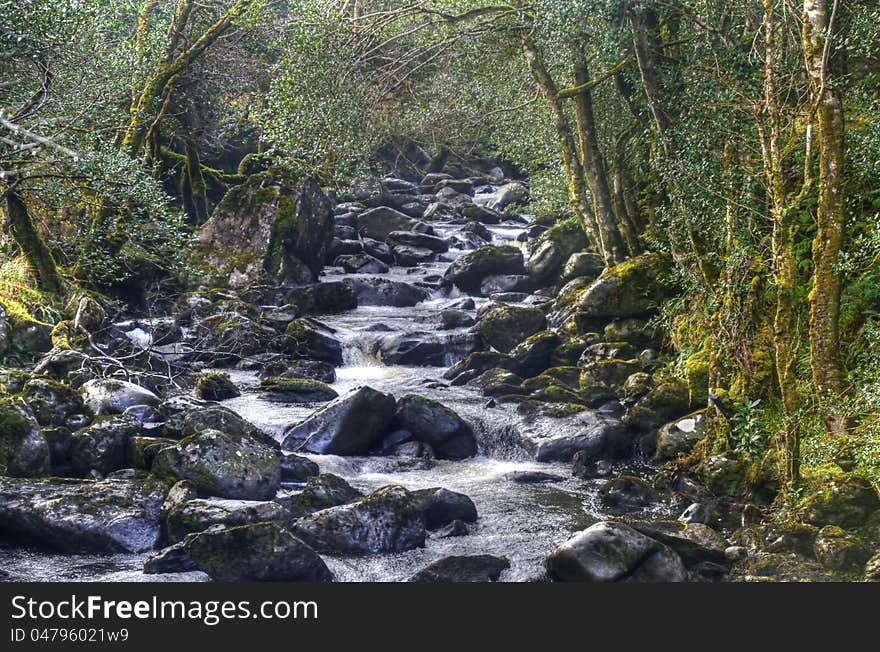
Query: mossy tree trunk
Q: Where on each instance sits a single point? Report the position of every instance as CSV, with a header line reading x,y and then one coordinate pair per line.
x,y
21,228
574,173
785,332
828,377
593,165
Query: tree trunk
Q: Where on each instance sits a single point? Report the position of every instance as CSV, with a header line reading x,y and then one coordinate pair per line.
x,y
23,231
574,173
613,248
828,377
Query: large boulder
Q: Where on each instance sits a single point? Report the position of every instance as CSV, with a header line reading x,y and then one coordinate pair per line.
x,y
504,326
24,451
600,437
468,271
199,514
378,223
221,464
694,542
258,552
83,515
385,292
430,422
471,568
114,396
353,424
630,289
665,401
102,446
440,507
267,226
387,520
614,552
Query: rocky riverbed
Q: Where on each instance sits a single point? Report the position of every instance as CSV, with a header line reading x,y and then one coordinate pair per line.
x,y
412,382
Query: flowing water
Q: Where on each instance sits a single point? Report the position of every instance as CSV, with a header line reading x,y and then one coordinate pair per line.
x,y
522,522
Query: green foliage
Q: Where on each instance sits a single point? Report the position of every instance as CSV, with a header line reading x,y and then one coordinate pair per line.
x,y
748,427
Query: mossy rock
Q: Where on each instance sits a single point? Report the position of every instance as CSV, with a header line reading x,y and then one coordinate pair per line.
x,y
297,390
564,376
667,400
557,394
552,249
504,326
631,289
215,386
842,499
24,451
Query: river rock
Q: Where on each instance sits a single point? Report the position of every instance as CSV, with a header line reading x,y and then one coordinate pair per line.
x,y
503,326
103,445
113,396
385,292
223,465
440,507
627,492
407,256
694,542
535,354
255,552
201,513
361,264
614,552
471,568
24,451
665,401
468,271
432,243
353,424
387,520
451,319
321,491
430,422
580,264
378,223
314,369
296,390
83,515
323,297
378,250
50,402
309,338
681,436
215,386
296,468
553,248
424,348
600,437
510,193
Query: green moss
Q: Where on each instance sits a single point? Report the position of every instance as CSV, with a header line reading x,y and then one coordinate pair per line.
x,y
283,229
557,394
696,369
293,385
215,386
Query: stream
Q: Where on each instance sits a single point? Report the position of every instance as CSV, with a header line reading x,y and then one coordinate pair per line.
x,y
519,521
